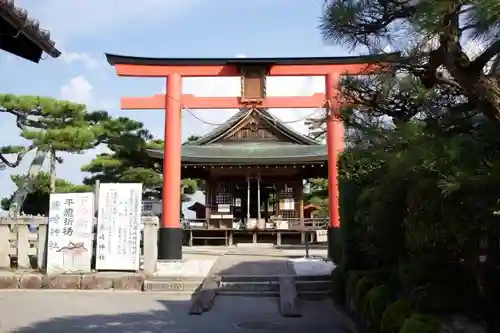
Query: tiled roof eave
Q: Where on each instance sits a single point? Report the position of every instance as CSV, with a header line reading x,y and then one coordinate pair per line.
x,y
18,18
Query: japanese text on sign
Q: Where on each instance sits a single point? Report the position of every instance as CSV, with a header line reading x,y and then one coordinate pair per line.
x,y
69,241
118,231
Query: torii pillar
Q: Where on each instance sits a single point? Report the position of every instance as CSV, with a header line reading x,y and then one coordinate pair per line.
x,y
253,73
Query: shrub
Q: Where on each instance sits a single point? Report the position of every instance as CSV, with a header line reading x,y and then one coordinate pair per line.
x,y
394,316
362,287
352,278
421,323
435,298
376,300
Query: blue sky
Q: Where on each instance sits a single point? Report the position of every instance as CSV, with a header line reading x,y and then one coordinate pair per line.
x,y
84,30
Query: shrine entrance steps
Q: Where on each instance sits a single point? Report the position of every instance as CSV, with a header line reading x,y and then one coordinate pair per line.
x,y
255,272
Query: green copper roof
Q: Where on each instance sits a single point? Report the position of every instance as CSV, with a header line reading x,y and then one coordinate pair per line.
x,y
209,150
250,153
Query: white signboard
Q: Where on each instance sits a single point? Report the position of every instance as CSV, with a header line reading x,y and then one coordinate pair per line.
x,y
118,227
69,241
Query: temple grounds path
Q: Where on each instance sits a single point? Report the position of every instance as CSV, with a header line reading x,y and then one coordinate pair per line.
x,y
107,311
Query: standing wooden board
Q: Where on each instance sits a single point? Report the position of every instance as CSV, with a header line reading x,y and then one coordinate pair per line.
x,y
119,227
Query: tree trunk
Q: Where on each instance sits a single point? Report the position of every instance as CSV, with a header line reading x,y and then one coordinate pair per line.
x,y
52,172
487,91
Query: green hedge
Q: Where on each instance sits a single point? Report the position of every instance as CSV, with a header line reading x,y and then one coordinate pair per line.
x,y
394,316
437,299
362,288
375,303
421,323
352,278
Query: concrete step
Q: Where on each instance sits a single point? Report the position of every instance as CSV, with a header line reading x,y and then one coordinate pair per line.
x,y
255,245
269,285
173,285
308,287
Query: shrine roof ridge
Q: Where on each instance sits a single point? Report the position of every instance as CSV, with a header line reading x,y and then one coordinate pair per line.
x,y
114,59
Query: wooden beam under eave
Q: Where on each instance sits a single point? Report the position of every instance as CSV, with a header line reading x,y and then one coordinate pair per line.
x,y
157,102
232,70
322,70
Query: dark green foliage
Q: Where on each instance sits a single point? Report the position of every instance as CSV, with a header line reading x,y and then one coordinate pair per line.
x,y
376,301
59,125
420,174
352,279
442,299
362,287
421,323
433,36
394,316
64,126
129,162
318,195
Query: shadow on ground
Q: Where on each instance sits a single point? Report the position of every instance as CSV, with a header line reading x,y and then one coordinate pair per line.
x,y
230,314
25,311
252,264
166,320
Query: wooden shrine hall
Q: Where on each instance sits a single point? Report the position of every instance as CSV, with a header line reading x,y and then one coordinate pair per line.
x,y
254,169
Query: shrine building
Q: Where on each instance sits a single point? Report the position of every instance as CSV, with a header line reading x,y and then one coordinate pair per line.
x,y
254,169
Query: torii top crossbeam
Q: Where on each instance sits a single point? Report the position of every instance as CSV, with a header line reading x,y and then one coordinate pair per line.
x,y
253,73
199,67
248,68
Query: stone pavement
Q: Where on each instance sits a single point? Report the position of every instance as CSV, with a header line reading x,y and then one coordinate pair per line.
x,y
25,311
269,262
197,264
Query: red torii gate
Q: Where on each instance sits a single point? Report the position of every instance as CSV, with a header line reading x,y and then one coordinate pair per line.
x,y
253,72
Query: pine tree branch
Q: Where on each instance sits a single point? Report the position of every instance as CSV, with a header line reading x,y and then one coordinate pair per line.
x,y
481,61
19,158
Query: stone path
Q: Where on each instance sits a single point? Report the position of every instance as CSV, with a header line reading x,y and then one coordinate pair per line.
x,y
270,262
248,260
252,265
24,311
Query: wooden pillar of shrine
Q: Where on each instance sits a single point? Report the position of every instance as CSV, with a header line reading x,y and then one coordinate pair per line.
x,y
170,234
335,144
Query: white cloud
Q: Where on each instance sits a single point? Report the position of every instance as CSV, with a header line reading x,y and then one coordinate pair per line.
x,y
86,59
67,19
80,90
77,90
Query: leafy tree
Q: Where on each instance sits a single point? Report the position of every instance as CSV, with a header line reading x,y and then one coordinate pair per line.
x,y
54,126
37,202
128,161
433,36
419,174
318,195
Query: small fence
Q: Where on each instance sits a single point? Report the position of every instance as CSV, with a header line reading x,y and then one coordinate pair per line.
x,y
23,243
289,224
